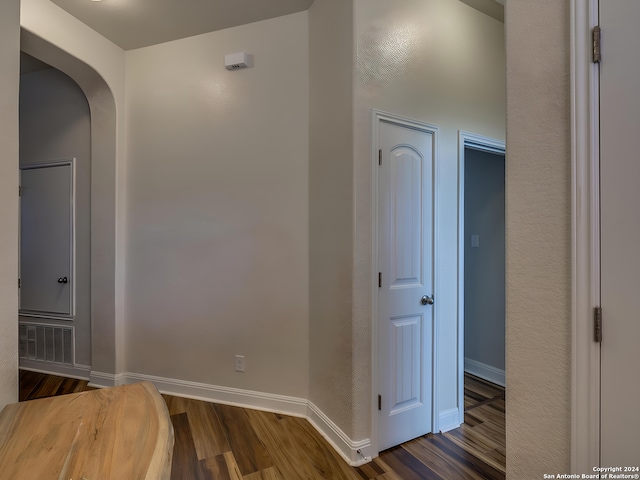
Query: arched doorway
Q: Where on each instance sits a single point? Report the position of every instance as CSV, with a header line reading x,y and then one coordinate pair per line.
x,y
105,343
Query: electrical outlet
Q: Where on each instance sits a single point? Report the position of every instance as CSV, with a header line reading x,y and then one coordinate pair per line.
x,y
239,363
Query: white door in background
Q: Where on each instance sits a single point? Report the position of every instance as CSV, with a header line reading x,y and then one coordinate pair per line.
x,y
405,261
620,232
46,240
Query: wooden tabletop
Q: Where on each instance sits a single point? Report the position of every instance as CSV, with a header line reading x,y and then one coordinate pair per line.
x,y
114,433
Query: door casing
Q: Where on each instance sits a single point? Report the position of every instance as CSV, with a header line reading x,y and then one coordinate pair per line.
x,y
585,245
484,144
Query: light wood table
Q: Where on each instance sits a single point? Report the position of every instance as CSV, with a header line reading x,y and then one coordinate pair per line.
x,y
119,433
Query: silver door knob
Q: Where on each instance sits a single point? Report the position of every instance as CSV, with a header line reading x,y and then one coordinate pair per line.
x,y
426,300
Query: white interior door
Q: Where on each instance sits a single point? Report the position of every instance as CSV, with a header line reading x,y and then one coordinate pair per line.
x,y
46,240
405,260
620,232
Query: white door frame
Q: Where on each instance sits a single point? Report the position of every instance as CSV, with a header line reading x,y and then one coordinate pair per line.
x,y
483,144
585,247
376,117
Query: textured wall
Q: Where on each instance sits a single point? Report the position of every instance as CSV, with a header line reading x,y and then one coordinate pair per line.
x,y
217,249
538,239
9,74
441,62
55,124
484,278
331,209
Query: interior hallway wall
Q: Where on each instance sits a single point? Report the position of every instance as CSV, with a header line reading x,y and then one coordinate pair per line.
x,y
55,124
218,231
9,85
538,239
331,210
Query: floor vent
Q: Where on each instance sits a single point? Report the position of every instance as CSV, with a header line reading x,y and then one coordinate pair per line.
x,y
47,343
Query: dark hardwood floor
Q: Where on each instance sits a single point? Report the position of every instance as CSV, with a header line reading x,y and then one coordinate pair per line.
x,y
215,441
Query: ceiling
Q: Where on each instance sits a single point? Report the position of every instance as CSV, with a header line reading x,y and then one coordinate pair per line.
x,y
493,8
140,23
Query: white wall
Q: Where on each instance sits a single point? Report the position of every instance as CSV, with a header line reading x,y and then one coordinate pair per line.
x,y
55,124
9,78
441,62
538,239
331,210
217,245
484,265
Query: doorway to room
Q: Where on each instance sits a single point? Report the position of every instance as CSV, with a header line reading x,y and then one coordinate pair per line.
x,y
55,226
99,361
482,257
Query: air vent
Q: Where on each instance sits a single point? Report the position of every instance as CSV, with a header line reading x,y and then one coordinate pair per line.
x,y
46,343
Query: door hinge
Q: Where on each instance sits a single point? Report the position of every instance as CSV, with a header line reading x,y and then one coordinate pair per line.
x,y
596,34
379,402
19,191
19,283
597,324
380,157
379,279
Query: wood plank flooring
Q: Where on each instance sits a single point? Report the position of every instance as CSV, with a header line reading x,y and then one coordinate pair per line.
x,y
221,442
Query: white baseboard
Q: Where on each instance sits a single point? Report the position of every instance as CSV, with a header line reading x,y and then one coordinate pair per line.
x,y
80,372
269,402
448,420
354,453
105,380
487,372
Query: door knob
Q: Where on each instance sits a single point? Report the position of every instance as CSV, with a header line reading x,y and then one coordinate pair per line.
x,y
426,300
63,280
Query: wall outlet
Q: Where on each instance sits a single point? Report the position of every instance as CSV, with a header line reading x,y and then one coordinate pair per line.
x,y
239,363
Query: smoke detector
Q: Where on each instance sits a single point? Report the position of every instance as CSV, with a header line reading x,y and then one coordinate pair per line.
x,y
236,61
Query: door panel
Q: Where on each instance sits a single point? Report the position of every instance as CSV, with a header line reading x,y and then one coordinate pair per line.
x,y
406,363
46,234
405,258
620,232
406,205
